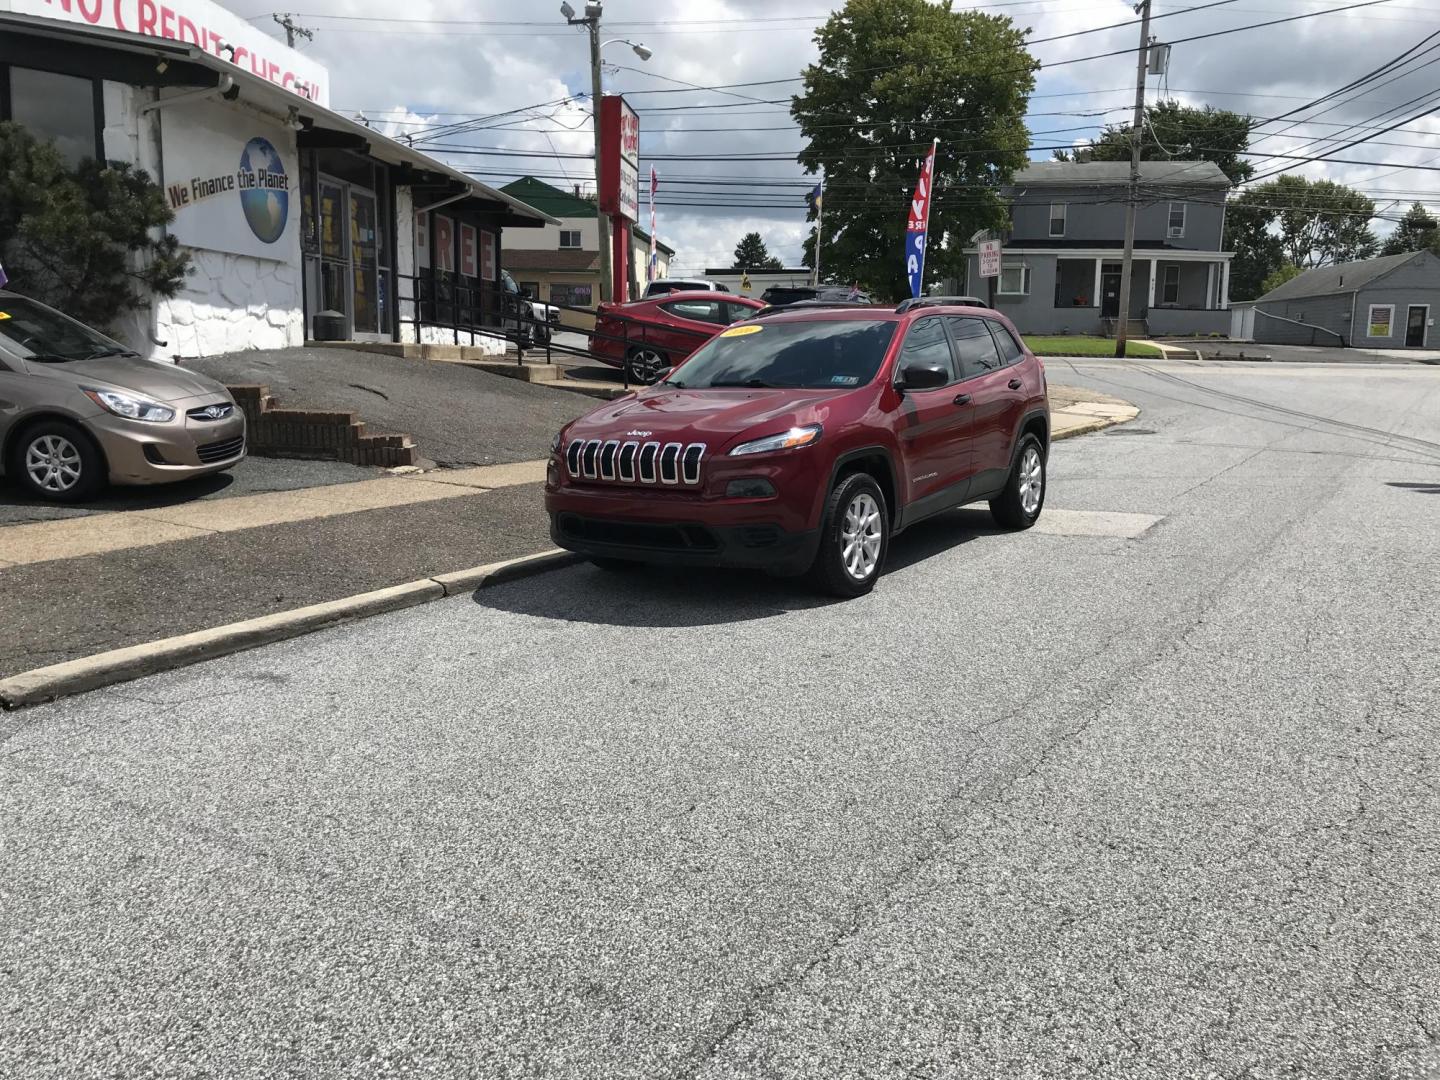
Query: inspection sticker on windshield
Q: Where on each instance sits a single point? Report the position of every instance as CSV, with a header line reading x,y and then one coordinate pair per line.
x,y
741,331
844,380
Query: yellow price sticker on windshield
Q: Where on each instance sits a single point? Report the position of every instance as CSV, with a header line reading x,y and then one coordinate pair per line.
x,y
4,315
741,331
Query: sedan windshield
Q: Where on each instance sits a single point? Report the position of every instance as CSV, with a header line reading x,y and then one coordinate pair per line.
x,y
42,334
811,355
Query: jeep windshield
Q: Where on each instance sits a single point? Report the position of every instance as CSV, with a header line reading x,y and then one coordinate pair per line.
x,y
43,335
810,354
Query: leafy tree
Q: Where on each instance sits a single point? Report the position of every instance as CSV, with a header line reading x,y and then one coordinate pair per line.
x,y
901,73
1175,132
1279,276
1418,231
1292,219
82,239
752,254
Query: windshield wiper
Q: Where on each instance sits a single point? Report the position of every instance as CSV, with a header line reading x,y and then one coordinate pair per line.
x,y
672,382
752,384
53,358
106,350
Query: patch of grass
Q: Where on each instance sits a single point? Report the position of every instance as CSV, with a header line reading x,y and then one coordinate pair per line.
x,y
1079,345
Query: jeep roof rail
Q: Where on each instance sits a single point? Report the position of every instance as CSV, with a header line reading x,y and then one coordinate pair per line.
x,y
810,305
937,301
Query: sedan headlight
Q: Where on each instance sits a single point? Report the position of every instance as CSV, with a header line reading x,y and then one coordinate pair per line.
x,y
787,440
131,407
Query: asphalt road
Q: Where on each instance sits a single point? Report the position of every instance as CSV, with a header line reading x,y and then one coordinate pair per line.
x,y
1042,805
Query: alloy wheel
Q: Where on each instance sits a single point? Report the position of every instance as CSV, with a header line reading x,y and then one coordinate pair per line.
x,y
53,463
861,533
1032,481
646,365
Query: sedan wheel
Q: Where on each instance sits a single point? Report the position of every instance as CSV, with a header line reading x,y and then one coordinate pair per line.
x,y
55,461
646,365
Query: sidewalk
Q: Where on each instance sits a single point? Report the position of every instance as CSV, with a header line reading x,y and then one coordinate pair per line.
x,y
133,572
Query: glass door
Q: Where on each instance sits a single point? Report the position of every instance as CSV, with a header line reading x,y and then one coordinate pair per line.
x,y
364,262
334,264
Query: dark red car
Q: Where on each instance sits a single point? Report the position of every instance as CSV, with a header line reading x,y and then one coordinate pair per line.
x,y
649,337
804,439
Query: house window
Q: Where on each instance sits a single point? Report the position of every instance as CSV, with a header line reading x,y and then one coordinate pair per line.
x,y
569,238
1014,281
61,108
1382,317
1057,218
1177,220
1170,290
567,295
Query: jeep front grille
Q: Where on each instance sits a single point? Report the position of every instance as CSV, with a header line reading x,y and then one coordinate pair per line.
x,y
668,464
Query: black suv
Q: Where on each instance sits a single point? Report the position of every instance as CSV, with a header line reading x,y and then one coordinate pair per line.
x,y
784,295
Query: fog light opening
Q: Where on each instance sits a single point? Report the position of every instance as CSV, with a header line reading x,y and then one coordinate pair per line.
x,y
750,487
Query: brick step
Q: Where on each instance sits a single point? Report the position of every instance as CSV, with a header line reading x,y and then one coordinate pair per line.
x,y
331,435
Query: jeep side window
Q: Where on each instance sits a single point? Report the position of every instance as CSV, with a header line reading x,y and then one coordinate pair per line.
x,y
974,347
1010,350
926,346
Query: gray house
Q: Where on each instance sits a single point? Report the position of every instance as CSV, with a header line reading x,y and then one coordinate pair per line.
x,y
1384,303
1060,270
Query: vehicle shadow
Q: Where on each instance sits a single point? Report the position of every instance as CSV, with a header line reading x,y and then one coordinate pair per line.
x,y
687,596
14,497
1423,489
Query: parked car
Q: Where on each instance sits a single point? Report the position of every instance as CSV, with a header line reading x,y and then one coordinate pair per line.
x,y
664,286
522,308
783,295
78,409
648,337
803,441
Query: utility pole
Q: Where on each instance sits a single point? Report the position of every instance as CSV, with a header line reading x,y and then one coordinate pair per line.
x,y
293,30
606,269
1137,132
819,226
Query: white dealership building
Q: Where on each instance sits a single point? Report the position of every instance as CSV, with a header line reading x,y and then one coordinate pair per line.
x,y
301,223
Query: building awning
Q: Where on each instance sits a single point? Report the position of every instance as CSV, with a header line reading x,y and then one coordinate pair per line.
x,y
281,104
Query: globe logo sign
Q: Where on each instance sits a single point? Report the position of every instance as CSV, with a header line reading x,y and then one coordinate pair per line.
x,y
264,190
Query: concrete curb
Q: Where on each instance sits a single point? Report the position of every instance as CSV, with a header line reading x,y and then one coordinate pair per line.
x,y
132,662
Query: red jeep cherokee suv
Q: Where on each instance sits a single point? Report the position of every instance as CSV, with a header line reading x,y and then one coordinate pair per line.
x,y
802,440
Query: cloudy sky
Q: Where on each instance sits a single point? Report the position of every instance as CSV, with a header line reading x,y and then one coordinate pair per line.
x,y
411,67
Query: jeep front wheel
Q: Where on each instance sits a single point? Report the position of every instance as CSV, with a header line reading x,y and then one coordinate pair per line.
x,y
854,537
1019,505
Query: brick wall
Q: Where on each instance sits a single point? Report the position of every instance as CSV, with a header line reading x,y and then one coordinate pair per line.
x,y
273,431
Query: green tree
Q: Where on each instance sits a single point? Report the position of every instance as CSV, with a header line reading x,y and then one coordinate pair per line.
x,y
752,254
1295,220
1175,132
83,240
1279,276
1418,231
901,73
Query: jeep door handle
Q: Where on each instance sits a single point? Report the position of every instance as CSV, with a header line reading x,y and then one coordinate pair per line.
x,y
962,399
1015,384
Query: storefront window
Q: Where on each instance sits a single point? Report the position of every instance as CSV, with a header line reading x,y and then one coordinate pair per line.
x,y
570,295
56,107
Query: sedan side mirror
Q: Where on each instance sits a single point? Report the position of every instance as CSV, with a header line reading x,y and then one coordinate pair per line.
x,y
924,377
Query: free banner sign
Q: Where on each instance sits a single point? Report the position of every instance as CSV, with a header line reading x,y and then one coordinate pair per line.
x,y
231,178
989,258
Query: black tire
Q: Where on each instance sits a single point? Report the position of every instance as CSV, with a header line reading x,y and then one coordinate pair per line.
x,y
614,566
834,571
69,466
645,364
1018,506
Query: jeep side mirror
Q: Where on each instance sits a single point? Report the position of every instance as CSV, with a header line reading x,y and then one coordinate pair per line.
x,y
924,377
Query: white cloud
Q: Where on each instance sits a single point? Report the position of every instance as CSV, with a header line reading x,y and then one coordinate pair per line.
x,y
424,74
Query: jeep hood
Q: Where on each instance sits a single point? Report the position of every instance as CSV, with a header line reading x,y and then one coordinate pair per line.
x,y
714,417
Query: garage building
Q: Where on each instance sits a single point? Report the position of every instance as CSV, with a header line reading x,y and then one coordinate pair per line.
x,y
1384,303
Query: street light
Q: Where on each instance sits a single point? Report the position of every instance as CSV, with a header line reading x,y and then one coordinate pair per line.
x,y
593,10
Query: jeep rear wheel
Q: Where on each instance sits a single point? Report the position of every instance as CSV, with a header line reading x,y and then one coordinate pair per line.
x,y
1019,505
854,537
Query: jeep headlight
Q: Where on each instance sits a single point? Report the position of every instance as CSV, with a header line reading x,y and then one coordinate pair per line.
x,y
555,441
793,439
